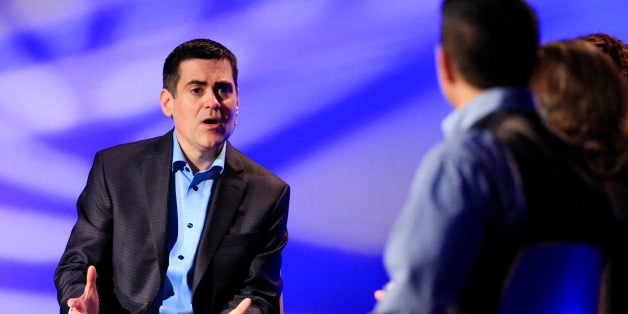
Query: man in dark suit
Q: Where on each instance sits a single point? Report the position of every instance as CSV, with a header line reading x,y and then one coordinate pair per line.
x,y
182,223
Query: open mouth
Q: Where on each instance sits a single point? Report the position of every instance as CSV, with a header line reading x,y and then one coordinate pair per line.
x,y
211,121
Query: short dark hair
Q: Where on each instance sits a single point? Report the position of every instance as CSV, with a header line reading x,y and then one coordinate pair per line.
x,y
491,42
195,49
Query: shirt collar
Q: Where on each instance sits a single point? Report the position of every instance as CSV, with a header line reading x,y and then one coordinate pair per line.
x,y
179,161
490,100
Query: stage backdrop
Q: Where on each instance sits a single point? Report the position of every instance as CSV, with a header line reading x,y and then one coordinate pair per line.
x,y
337,97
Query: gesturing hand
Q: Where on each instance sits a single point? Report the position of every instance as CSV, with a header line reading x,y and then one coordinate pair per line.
x,y
88,302
381,294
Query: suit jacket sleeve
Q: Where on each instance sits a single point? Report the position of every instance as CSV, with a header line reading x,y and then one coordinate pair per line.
x,y
264,283
90,239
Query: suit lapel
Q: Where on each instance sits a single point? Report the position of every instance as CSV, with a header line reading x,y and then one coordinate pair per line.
x,y
156,171
227,195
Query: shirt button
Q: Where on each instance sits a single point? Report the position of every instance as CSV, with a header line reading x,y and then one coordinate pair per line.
x,y
180,257
187,169
190,225
195,188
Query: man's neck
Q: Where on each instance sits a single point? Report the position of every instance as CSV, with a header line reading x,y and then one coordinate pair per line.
x,y
200,161
462,93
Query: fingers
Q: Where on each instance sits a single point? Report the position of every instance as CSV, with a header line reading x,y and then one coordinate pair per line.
x,y
379,295
88,302
242,307
72,303
76,306
388,285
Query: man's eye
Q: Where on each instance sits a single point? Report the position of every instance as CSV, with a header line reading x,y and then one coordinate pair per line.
x,y
196,91
224,91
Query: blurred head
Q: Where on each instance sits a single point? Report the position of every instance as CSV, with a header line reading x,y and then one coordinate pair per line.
x,y
490,42
581,94
200,94
613,47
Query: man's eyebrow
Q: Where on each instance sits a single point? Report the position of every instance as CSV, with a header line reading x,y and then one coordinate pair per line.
x,y
203,83
196,82
224,83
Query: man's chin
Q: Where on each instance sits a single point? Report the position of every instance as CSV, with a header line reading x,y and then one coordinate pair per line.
x,y
214,144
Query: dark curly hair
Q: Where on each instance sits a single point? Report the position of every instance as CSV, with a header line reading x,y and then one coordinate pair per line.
x,y
582,96
613,47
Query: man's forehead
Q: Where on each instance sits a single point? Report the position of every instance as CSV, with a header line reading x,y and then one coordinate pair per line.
x,y
205,63
206,70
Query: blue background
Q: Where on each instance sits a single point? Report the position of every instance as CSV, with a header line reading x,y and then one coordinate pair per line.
x,y
339,98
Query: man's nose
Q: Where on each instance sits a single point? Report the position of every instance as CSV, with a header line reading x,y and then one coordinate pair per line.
x,y
211,102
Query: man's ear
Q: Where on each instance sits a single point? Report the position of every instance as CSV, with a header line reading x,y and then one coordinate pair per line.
x,y
166,100
237,104
446,72
453,85
446,76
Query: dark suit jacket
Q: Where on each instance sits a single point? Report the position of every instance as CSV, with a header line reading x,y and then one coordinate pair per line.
x,y
122,230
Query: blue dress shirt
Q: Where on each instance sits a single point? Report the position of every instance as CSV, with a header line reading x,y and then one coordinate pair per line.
x,y
464,184
193,192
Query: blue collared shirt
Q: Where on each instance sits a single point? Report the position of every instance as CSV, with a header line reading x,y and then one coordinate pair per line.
x,y
193,192
463,184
